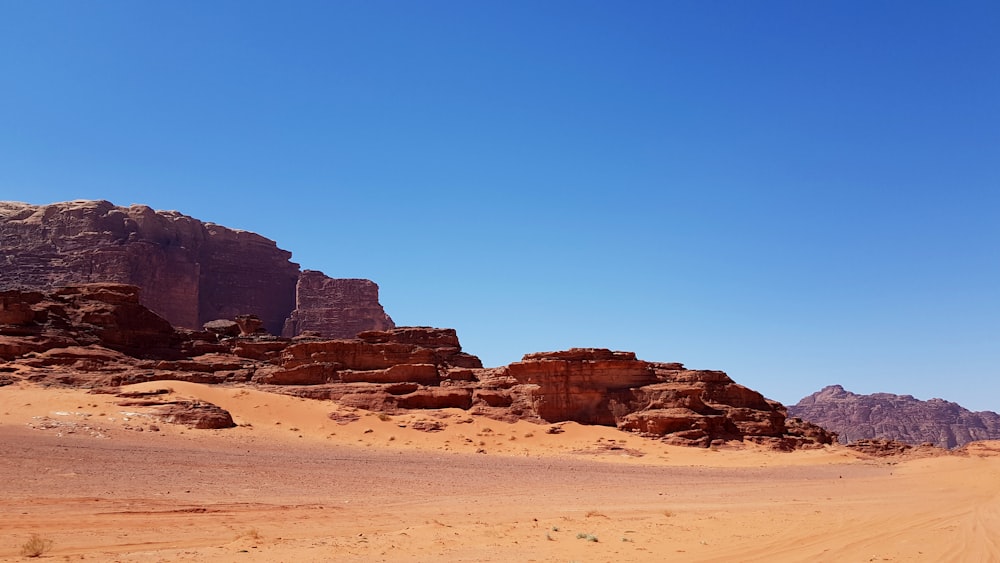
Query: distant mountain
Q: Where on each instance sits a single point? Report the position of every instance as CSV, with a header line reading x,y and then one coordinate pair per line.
x,y
896,417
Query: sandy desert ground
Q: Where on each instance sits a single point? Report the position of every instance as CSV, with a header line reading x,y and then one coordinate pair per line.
x,y
292,484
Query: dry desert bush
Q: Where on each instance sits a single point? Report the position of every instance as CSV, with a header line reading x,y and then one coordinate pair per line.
x,y
35,546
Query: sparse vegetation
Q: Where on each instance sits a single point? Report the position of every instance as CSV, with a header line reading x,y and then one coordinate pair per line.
x,y
588,537
252,533
384,417
35,546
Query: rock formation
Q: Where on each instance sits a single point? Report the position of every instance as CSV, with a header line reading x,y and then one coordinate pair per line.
x,y
896,417
190,272
335,308
99,336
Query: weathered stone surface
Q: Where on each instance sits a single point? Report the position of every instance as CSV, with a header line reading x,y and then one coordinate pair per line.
x,y
100,335
880,447
222,327
105,314
195,414
692,407
436,398
580,384
335,308
896,417
249,325
190,272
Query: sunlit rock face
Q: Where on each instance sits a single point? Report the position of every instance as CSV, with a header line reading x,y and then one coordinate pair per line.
x,y
902,418
190,272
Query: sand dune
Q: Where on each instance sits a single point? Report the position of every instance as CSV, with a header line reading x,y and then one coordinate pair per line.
x,y
290,483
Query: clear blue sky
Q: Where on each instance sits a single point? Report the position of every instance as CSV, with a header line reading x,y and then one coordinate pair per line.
x,y
798,193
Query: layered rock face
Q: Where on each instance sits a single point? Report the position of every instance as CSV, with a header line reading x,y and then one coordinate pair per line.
x,y
190,272
69,319
690,407
896,417
335,308
99,336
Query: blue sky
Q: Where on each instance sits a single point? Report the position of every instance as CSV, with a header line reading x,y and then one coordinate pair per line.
x,y
798,193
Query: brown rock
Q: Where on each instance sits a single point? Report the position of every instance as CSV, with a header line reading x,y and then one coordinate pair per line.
x,y
222,327
896,417
879,447
190,272
100,335
303,374
195,414
437,398
335,308
422,374
250,325
580,384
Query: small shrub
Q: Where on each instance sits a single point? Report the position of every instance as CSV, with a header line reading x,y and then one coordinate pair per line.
x,y
35,546
384,417
588,537
252,533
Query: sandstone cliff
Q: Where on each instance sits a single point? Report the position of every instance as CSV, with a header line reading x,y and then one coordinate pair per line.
x,y
335,308
903,418
190,272
99,335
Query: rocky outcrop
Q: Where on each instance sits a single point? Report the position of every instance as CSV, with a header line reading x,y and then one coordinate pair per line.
x,y
190,272
335,308
689,407
902,418
70,319
100,336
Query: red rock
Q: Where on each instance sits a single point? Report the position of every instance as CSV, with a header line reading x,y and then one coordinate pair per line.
x,y
196,414
190,272
578,385
264,350
310,373
880,447
423,336
222,327
422,374
355,354
493,397
335,308
100,335
437,398
249,325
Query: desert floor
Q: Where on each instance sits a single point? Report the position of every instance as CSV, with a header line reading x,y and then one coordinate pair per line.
x,y
292,484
